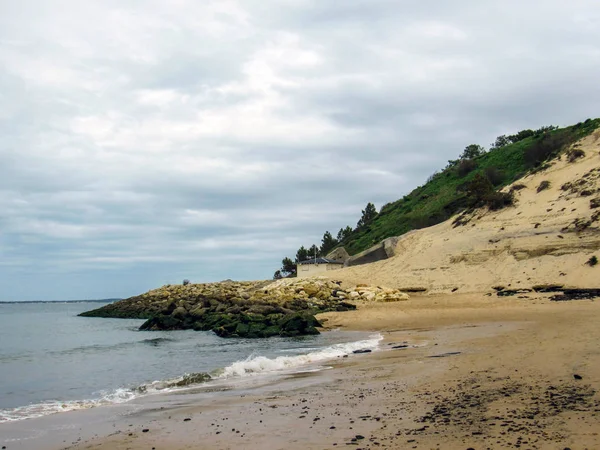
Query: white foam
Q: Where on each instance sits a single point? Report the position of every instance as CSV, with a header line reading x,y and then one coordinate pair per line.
x,y
52,407
256,365
251,366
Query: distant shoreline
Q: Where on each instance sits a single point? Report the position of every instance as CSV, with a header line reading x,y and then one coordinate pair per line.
x,y
106,300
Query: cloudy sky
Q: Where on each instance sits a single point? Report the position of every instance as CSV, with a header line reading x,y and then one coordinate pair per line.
x,y
144,142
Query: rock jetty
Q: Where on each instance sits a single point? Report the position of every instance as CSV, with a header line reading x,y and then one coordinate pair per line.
x,y
252,309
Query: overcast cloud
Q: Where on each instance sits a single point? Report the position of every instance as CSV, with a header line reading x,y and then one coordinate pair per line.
x,y
143,142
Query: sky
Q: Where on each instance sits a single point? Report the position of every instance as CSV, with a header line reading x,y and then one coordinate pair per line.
x,y
147,142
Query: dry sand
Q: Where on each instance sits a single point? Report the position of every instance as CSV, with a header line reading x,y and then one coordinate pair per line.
x,y
471,369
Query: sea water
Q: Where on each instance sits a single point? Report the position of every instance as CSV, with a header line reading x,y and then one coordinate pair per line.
x,y
52,361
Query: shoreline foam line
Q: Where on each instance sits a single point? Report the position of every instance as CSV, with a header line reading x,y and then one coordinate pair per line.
x,y
249,367
258,365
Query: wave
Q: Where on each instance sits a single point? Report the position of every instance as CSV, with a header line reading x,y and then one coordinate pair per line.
x,y
51,407
155,341
185,380
260,364
251,366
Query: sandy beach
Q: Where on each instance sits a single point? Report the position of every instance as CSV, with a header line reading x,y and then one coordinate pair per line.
x,y
462,371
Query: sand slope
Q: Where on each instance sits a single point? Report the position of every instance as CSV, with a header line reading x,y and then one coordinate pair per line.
x,y
538,241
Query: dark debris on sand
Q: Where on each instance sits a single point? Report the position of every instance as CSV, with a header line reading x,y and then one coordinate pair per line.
x,y
509,413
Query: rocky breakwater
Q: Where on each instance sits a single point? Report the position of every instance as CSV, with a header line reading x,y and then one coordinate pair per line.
x,y
242,309
365,293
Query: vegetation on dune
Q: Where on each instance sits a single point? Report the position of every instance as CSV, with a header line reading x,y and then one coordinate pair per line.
x,y
574,154
543,186
444,193
472,180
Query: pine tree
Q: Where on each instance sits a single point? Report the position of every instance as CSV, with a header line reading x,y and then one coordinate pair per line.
x,y
347,232
344,234
313,251
288,266
368,214
327,243
302,254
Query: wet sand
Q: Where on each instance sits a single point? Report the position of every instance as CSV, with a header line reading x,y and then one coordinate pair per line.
x,y
469,371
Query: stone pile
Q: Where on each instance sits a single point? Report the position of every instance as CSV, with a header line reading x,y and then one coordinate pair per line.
x,y
318,289
244,309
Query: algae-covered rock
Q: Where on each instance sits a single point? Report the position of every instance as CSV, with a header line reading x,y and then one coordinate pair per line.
x,y
198,311
162,323
298,324
179,312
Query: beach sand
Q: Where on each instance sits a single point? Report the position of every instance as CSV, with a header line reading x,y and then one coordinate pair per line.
x,y
470,371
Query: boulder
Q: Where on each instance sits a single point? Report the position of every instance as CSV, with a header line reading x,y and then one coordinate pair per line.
x,y
369,296
311,289
180,312
198,311
298,324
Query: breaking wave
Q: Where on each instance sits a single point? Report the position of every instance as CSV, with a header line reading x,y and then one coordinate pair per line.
x,y
52,407
251,366
256,365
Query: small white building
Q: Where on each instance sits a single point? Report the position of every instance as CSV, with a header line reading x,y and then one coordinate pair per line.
x,y
315,266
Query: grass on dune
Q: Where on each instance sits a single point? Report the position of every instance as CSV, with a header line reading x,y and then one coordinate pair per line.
x,y
443,194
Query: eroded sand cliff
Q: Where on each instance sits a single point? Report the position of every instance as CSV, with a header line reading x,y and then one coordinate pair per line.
x,y
546,238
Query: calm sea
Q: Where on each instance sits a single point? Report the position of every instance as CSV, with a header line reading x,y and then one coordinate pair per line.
x,y
53,361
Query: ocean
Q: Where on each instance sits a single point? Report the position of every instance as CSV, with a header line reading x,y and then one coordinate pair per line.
x,y
52,361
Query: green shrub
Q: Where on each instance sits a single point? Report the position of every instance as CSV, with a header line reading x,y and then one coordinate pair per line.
x,y
547,146
477,189
523,134
543,186
499,200
465,167
574,154
480,192
592,261
494,175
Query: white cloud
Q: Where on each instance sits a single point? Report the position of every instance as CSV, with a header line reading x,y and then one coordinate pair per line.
x,y
145,142
436,30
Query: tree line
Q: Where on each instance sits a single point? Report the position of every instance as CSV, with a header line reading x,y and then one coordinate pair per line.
x,y
328,243
474,150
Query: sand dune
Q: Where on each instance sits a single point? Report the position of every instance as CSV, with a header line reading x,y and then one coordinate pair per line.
x,y
539,240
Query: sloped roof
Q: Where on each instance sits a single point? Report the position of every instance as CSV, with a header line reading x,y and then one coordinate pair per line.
x,y
320,261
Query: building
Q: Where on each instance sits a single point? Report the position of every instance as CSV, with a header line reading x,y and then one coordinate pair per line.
x,y
316,266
